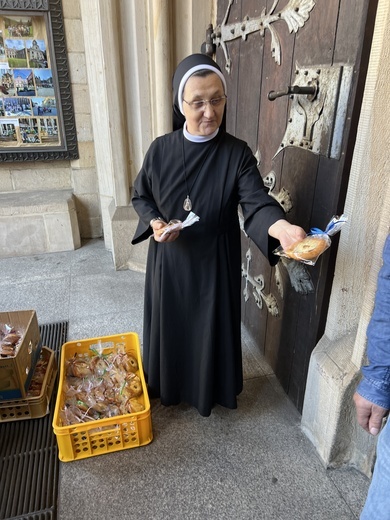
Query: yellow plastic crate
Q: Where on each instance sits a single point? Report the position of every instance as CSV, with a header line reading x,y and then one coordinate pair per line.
x,y
32,407
80,441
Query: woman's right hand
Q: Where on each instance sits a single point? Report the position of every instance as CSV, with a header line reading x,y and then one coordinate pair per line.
x,y
286,233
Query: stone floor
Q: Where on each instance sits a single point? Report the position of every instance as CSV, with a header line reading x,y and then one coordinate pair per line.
x,y
250,463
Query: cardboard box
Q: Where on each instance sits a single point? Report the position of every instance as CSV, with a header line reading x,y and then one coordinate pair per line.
x,y
16,372
33,407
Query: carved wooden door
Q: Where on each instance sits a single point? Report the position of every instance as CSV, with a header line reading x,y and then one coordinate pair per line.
x,y
304,145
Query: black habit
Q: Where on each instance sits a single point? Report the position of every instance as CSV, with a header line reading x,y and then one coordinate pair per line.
x,y
192,314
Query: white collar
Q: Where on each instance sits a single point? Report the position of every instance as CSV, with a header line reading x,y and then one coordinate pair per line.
x,y
198,138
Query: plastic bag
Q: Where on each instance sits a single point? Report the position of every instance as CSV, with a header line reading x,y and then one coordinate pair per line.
x,y
177,225
314,244
10,340
101,384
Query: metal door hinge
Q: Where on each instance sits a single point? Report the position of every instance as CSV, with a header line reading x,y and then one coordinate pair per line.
x,y
295,14
209,47
258,285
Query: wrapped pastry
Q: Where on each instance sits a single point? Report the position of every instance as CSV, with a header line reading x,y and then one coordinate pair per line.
x,y
309,249
101,386
10,339
314,244
177,225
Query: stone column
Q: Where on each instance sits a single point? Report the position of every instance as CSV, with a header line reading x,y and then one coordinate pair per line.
x,y
160,39
105,78
129,48
191,20
328,414
146,73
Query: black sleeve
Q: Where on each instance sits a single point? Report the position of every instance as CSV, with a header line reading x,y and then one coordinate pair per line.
x,y
143,200
259,209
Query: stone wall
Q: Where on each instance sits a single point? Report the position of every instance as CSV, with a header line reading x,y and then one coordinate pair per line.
x,y
80,175
117,70
83,171
329,415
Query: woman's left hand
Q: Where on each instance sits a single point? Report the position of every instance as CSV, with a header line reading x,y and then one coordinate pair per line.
x,y
171,236
286,233
157,225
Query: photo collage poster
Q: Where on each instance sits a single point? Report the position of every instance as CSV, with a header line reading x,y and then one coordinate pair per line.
x,y
28,104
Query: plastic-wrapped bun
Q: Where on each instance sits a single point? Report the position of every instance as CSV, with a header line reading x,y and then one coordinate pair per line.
x,y
314,244
310,248
177,225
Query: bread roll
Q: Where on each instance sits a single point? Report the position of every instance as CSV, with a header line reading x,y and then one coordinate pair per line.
x,y
310,248
171,223
160,231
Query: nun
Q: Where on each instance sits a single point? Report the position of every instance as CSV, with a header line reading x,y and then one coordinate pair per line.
x,y
192,307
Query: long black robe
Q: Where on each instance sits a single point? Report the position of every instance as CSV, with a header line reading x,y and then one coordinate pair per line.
x,y
192,314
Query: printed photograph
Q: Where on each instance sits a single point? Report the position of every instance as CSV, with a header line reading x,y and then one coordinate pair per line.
x,y
18,26
44,82
8,132
15,52
7,86
44,106
24,82
17,106
49,130
36,54
29,130
2,48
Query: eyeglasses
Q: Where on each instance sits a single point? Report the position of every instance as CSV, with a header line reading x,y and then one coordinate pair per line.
x,y
202,103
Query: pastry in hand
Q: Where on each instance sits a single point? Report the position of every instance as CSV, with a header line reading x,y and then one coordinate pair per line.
x,y
310,248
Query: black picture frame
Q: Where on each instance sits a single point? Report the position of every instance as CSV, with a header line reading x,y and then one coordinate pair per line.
x,y
53,137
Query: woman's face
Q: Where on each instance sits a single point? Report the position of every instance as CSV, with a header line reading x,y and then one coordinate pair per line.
x,y
206,120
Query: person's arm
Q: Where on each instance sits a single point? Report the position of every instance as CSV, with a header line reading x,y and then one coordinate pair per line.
x,y
372,396
264,217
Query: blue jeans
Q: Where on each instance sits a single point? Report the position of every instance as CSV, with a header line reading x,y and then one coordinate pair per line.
x,y
377,506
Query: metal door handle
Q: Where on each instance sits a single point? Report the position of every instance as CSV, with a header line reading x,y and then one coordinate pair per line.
x,y
310,90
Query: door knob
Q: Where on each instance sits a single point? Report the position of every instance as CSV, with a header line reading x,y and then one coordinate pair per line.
x,y
310,91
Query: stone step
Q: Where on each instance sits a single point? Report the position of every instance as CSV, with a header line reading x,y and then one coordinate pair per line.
x,y
35,222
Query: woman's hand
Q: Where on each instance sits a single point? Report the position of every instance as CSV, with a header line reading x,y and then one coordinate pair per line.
x,y
286,233
168,237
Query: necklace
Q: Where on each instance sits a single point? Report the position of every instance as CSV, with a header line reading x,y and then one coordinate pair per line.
x,y
187,204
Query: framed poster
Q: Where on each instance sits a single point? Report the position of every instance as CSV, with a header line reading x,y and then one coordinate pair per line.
x,y
36,109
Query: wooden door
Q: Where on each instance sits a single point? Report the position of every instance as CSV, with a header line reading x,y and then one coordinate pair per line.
x,y
284,311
